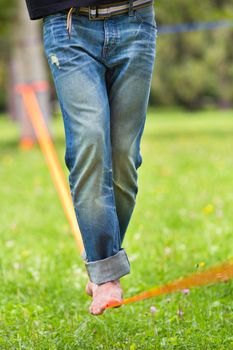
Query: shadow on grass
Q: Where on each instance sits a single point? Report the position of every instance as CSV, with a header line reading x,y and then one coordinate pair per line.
x,y
158,134
9,145
59,141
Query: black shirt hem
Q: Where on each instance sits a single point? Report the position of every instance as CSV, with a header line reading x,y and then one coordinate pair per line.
x,y
42,11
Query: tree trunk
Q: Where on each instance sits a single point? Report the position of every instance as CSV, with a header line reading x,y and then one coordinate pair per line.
x,y
27,65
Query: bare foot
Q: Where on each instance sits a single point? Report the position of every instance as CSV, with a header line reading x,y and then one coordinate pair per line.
x,y
88,288
103,295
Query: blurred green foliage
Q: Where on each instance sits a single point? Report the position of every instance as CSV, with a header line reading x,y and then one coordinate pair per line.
x,y
7,16
193,70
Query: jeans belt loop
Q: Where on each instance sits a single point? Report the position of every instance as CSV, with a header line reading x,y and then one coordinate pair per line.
x,y
92,17
130,7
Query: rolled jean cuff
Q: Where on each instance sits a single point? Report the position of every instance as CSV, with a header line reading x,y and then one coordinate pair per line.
x,y
108,269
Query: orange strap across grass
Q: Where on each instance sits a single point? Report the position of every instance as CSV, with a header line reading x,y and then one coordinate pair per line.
x,y
34,113
221,273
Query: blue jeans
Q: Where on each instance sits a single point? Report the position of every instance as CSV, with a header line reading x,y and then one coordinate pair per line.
x,y
102,77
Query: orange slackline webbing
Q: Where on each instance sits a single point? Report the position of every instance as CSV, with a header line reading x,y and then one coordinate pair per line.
x,y
220,273
34,113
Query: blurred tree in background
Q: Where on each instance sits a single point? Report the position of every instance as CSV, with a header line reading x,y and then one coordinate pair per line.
x,y
193,70
22,63
6,20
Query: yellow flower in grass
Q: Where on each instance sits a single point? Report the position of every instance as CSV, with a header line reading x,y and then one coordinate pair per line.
x,y
208,209
25,253
200,264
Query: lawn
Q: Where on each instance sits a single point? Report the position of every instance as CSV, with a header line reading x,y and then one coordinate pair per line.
x,y
183,217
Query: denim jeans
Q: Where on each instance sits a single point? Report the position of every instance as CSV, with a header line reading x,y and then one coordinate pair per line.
x,y
102,76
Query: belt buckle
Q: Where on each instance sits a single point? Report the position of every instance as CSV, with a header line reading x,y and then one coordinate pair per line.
x,y
95,17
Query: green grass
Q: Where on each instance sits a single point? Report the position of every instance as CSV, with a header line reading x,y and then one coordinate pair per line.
x,y
187,166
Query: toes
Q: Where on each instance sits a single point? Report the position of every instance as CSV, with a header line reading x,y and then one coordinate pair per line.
x,y
96,310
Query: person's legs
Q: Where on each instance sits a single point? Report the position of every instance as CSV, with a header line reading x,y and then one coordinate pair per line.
x,y
128,85
129,54
102,140
79,77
